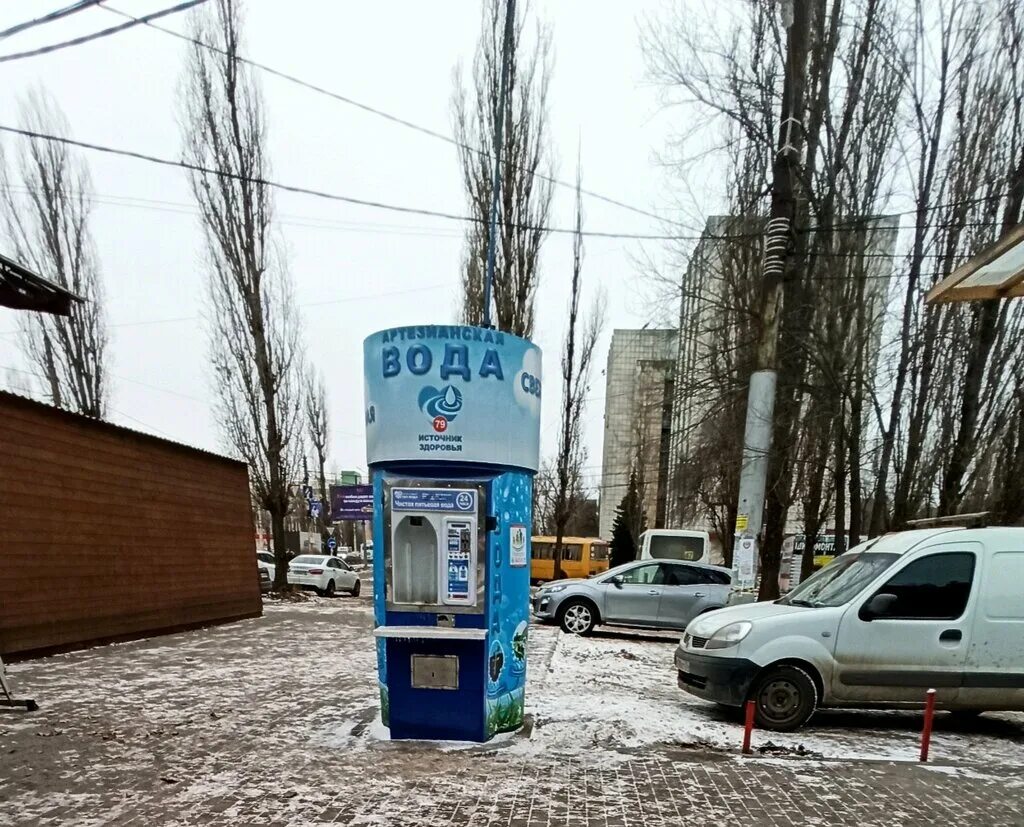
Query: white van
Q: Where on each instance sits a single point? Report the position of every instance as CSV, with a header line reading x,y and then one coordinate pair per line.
x,y
939,608
685,544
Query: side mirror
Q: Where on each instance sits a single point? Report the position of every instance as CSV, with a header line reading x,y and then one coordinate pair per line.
x,y
878,606
616,581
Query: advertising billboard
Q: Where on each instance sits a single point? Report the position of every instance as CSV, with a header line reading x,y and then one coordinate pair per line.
x,y
351,502
452,393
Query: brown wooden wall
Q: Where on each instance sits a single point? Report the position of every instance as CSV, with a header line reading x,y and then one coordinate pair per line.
x,y
108,534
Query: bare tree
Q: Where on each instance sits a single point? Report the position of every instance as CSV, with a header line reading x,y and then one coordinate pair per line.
x,y
580,505
48,228
255,347
318,433
581,337
545,486
526,186
825,370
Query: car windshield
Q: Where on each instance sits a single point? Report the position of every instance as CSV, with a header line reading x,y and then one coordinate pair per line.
x,y
841,580
308,559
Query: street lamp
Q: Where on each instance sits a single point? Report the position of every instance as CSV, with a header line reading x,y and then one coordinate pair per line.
x,y
996,272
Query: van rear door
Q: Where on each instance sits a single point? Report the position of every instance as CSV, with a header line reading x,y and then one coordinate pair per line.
x,y
921,642
994,675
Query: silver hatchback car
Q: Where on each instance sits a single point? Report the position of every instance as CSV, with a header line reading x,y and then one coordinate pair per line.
x,y
655,594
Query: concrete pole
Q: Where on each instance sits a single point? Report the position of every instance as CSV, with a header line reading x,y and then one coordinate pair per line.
x,y
779,235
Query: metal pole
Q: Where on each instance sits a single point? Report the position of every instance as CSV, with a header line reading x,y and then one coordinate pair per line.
x,y
748,727
757,438
499,129
926,729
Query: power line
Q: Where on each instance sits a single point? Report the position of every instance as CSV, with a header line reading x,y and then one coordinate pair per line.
x,y
319,223
392,118
325,303
362,202
78,41
285,219
154,159
48,18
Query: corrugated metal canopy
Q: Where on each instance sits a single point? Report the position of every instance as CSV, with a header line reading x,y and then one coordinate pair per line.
x,y
24,290
996,272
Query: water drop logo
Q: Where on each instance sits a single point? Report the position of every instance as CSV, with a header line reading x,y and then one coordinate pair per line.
x,y
442,405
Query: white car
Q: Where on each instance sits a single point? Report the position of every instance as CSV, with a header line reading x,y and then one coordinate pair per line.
x,y
326,575
265,560
929,609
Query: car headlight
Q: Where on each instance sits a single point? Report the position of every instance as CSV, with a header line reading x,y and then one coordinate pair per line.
x,y
729,635
702,627
553,589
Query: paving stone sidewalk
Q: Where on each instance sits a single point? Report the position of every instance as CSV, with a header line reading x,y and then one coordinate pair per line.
x,y
271,721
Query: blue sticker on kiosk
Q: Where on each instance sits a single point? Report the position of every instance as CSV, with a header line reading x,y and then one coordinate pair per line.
x,y
433,499
458,579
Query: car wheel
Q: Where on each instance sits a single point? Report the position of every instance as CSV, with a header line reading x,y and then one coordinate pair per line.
x,y
356,587
577,617
784,698
329,591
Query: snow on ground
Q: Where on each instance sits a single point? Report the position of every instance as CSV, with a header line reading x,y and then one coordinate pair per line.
x,y
618,690
281,711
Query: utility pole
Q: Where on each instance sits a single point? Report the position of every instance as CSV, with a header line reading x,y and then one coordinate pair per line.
x,y
499,131
778,246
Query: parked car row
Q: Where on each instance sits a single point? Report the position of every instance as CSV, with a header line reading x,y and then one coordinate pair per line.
x,y
322,573
939,608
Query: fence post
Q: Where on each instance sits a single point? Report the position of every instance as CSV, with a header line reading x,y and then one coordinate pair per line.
x,y
926,730
748,728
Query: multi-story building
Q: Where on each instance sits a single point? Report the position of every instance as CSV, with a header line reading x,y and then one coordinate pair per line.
x,y
637,420
663,385
720,294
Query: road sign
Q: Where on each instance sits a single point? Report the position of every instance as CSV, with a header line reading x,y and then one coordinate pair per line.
x,y
332,544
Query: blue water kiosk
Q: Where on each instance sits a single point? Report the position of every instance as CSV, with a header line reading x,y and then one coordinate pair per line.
x,y
452,441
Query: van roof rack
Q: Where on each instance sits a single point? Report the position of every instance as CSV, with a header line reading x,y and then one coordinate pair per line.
x,y
976,519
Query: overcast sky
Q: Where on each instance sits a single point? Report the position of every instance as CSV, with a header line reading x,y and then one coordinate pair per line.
x,y
356,270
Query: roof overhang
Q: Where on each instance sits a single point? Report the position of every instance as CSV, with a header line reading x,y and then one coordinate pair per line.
x,y
997,272
22,289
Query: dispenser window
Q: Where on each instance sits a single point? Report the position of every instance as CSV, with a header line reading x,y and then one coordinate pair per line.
x,y
415,562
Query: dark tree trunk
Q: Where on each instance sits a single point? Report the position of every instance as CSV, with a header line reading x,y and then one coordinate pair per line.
x,y
840,455
813,517
277,532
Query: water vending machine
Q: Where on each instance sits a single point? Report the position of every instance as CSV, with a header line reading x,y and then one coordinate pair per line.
x,y
452,440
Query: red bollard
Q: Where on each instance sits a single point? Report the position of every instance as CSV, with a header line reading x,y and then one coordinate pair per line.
x,y
926,731
748,728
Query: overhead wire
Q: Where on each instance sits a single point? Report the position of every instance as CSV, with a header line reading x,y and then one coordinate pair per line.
x,y
347,199
285,219
57,14
88,38
326,302
433,213
483,153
